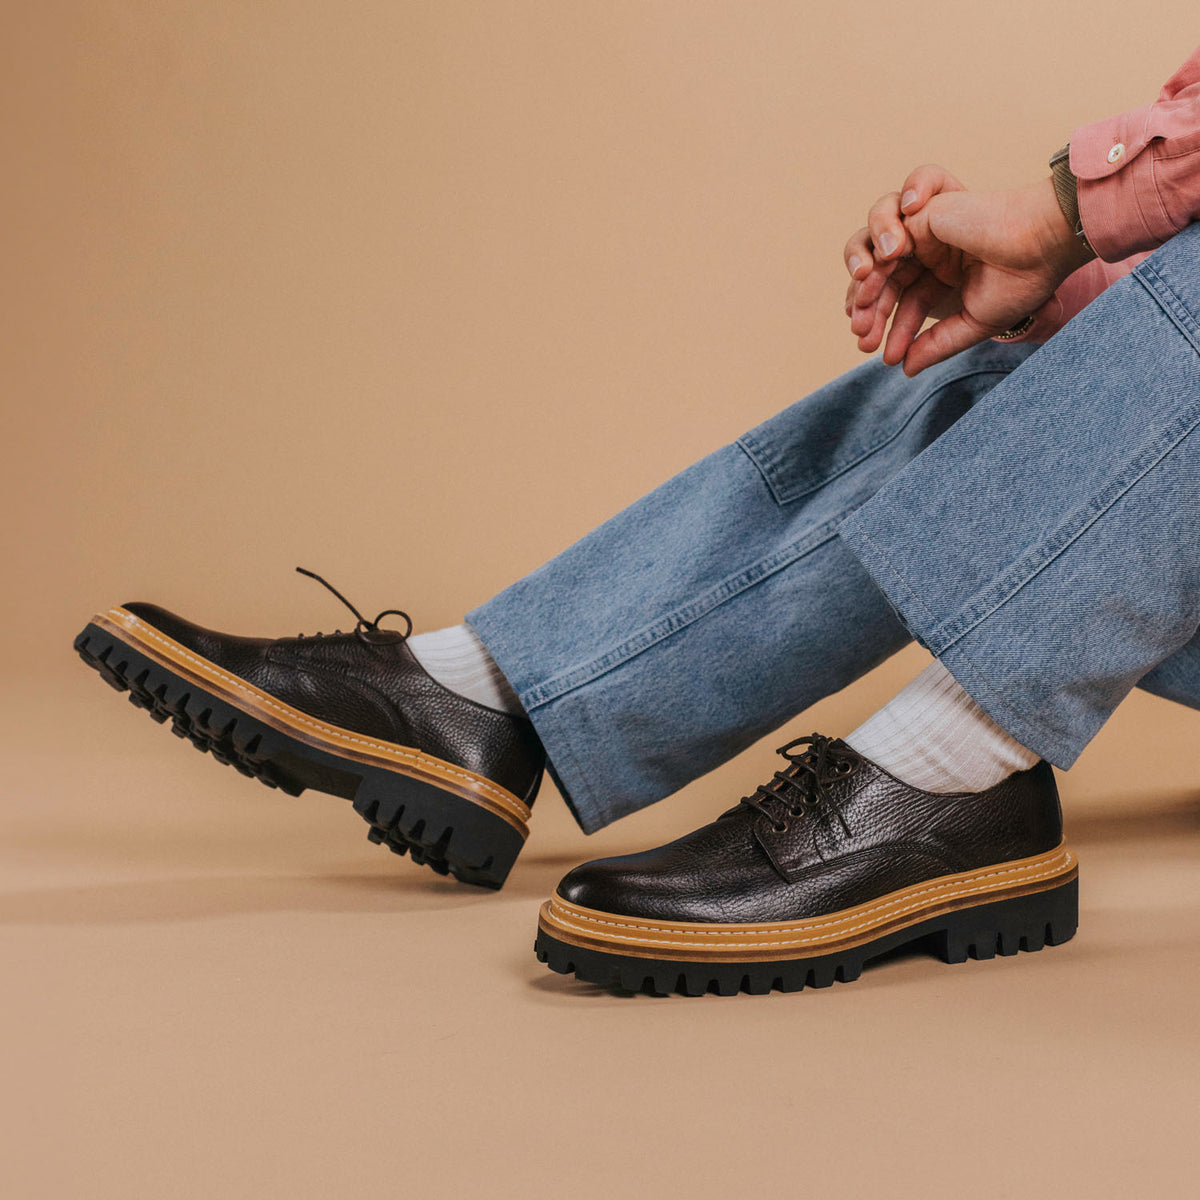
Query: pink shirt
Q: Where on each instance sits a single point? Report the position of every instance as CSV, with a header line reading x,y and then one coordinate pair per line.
x,y
1139,184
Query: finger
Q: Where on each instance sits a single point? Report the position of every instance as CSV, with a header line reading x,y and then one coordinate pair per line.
x,y
942,341
889,297
888,235
863,318
851,291
932,253
911,312
857,254
873,283
869,343
871,339
923,182
861,321
901,272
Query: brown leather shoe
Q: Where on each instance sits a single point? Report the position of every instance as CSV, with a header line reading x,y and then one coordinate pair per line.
x,y
831,864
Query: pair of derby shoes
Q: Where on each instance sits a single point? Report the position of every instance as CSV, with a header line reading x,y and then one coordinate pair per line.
x,y
830,864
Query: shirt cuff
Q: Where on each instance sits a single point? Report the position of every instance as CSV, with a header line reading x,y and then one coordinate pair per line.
x,y
1119,205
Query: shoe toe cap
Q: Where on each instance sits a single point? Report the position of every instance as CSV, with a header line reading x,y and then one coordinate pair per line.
x,y
592,884
634,885
174,627
227,650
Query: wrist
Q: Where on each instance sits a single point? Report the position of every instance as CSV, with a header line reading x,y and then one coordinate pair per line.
x,y
1058,244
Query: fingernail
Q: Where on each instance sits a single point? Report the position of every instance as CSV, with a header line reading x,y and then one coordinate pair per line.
x,y
908,198
855,263
888,242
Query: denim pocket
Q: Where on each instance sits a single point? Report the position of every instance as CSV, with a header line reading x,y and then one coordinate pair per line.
x,y
852,418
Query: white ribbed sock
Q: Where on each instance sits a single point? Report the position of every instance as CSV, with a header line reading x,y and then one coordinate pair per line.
x,y
457,659
936,738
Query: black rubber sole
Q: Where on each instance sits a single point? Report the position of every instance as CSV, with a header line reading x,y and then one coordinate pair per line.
x,y
434,827
1003,927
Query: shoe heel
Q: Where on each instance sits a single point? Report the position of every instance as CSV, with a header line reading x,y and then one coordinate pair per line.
x,y
438,829
1046,918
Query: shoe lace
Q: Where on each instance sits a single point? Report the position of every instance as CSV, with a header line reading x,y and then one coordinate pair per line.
x,y
363,627
814,762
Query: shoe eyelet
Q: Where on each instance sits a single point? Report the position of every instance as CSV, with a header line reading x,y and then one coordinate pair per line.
x,y
844,768
781,828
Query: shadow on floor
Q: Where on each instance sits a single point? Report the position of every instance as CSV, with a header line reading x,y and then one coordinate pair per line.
x,y
206,897
1174,814
391,886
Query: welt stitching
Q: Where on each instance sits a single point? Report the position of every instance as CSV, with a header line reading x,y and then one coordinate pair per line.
x,y
504,798
897,909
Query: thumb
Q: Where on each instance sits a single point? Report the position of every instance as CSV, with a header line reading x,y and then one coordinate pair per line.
x,y
971,221
942,341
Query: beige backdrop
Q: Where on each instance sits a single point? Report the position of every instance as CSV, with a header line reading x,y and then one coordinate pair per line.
x,y
414,294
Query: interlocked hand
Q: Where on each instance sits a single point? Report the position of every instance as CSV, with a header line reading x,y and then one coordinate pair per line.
x,y
978,262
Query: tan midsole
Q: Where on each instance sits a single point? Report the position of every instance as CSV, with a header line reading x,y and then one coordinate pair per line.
x,y
404,760
717,942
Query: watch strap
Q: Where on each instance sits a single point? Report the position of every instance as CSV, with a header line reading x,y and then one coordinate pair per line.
x,y
1066,189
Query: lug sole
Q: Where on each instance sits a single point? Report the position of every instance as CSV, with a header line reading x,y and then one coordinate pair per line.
x,y
978,928
453,832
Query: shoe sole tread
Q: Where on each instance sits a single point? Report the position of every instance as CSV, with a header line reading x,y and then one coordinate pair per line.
x,y
1004,926
433,826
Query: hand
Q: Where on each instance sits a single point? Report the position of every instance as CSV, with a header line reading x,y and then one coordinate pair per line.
x,y
880,258
980,262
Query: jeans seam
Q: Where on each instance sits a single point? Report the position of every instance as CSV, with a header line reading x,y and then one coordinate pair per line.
x,y
589,812
685,615
1171,303
753,447
880,560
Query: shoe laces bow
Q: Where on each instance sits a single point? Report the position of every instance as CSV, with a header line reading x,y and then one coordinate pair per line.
x,y
364,628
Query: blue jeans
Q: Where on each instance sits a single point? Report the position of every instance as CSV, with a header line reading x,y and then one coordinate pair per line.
x,y
1030,515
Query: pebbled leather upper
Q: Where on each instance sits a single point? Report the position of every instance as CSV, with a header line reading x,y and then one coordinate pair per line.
x,y
745,867
375,687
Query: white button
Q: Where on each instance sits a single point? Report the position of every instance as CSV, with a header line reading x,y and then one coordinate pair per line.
x,y
1116,152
